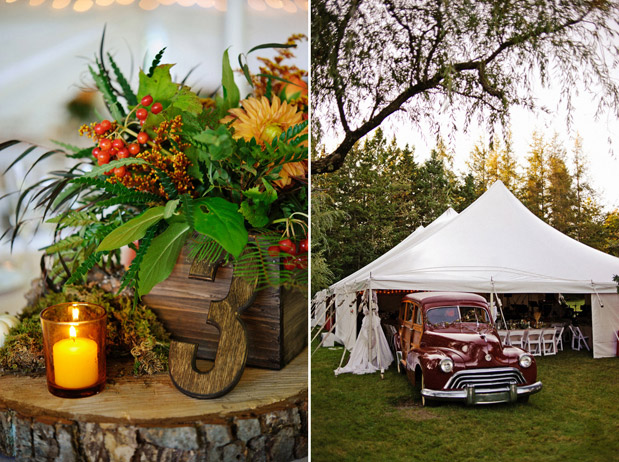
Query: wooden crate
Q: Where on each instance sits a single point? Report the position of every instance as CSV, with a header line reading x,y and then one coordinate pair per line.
x,y
276,322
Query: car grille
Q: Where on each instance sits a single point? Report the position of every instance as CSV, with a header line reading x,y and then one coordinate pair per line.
x,y
487,378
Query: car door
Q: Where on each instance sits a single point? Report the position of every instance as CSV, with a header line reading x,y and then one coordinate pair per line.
x,y
417,327
406,329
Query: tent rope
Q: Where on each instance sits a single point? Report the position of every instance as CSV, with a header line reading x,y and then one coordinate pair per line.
x,y
598,295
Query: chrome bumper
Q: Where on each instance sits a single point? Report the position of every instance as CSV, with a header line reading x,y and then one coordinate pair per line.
x,y
472,395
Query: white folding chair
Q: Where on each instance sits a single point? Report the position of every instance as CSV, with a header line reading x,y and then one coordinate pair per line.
x,y
517,338
504,336
534,342
578,338
559,338
549,346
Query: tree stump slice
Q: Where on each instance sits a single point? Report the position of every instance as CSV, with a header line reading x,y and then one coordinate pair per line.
x,y
264,418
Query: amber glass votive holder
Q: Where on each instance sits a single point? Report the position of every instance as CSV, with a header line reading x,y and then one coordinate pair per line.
x,y
74,346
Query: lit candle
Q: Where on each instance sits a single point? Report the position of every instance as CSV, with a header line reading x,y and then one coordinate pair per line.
x,y
75,360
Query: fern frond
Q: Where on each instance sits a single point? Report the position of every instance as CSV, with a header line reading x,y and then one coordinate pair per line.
x,y
205,248
166,182
132,100
68,147
70,242
156,62
105,87
117,189
293,131
132,273
74,218
187,207
128,199
79,274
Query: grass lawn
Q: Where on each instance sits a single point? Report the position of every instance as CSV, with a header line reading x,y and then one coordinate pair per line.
x,y
363,418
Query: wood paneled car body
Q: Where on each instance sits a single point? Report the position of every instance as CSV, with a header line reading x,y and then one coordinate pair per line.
x,y
449,344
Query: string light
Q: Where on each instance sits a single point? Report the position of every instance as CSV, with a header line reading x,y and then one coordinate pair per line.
x,y
257,5
290,6
149,4
82,5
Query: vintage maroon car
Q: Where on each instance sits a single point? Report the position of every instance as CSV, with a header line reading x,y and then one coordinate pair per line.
x,y
450,346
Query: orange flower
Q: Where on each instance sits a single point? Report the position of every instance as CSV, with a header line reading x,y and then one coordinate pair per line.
x,y
290,171
263,120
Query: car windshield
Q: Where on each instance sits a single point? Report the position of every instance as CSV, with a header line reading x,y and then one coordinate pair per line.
x,y
443,315
450,314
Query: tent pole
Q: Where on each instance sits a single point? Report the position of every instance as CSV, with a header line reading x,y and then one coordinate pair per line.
x,y
370,303
500,305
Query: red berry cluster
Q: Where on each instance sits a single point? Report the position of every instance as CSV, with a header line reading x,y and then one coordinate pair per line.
x,y
114,146
142,113
297,257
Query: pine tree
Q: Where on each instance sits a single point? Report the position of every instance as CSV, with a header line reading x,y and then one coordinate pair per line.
x,y
533,193
561,199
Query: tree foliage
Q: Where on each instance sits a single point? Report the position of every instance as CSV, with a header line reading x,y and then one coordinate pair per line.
x,y
372,59
381,195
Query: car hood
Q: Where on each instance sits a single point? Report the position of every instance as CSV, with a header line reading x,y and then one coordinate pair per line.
x,y
475,345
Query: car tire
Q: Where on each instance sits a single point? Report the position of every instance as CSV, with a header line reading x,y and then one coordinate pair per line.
x,y
523,399
425,402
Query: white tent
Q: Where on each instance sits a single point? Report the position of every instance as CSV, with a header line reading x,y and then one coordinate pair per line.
x,y
345,291
417,236
497,245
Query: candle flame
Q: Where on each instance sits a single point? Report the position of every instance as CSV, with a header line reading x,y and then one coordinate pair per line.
x,y
72,332
76,314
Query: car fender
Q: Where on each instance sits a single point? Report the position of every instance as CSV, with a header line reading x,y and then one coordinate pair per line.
x,y
428,359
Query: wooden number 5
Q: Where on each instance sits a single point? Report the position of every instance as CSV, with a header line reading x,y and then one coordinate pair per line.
x,y
231,351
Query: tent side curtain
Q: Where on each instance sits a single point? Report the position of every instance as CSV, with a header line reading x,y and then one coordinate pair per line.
x,y
605,324
346,319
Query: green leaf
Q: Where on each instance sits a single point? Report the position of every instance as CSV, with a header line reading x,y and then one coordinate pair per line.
x,y
159,85
170,208
271,45
161,256
187,101
256,208
232,95
221,220
194,169
218,142
133,230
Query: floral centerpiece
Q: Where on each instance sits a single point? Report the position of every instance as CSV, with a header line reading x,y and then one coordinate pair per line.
x,y
223,175
170,166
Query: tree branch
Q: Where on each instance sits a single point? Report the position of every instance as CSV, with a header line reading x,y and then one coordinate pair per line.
x,y
334,160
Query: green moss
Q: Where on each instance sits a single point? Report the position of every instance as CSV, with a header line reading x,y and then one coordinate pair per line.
x,y
130,332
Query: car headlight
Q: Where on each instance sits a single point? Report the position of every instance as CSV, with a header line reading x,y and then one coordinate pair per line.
x,y
447,365
525,360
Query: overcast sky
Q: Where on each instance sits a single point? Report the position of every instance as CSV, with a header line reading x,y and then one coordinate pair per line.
x,y
603,162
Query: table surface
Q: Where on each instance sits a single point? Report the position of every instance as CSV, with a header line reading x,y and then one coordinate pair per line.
x,y
154,399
